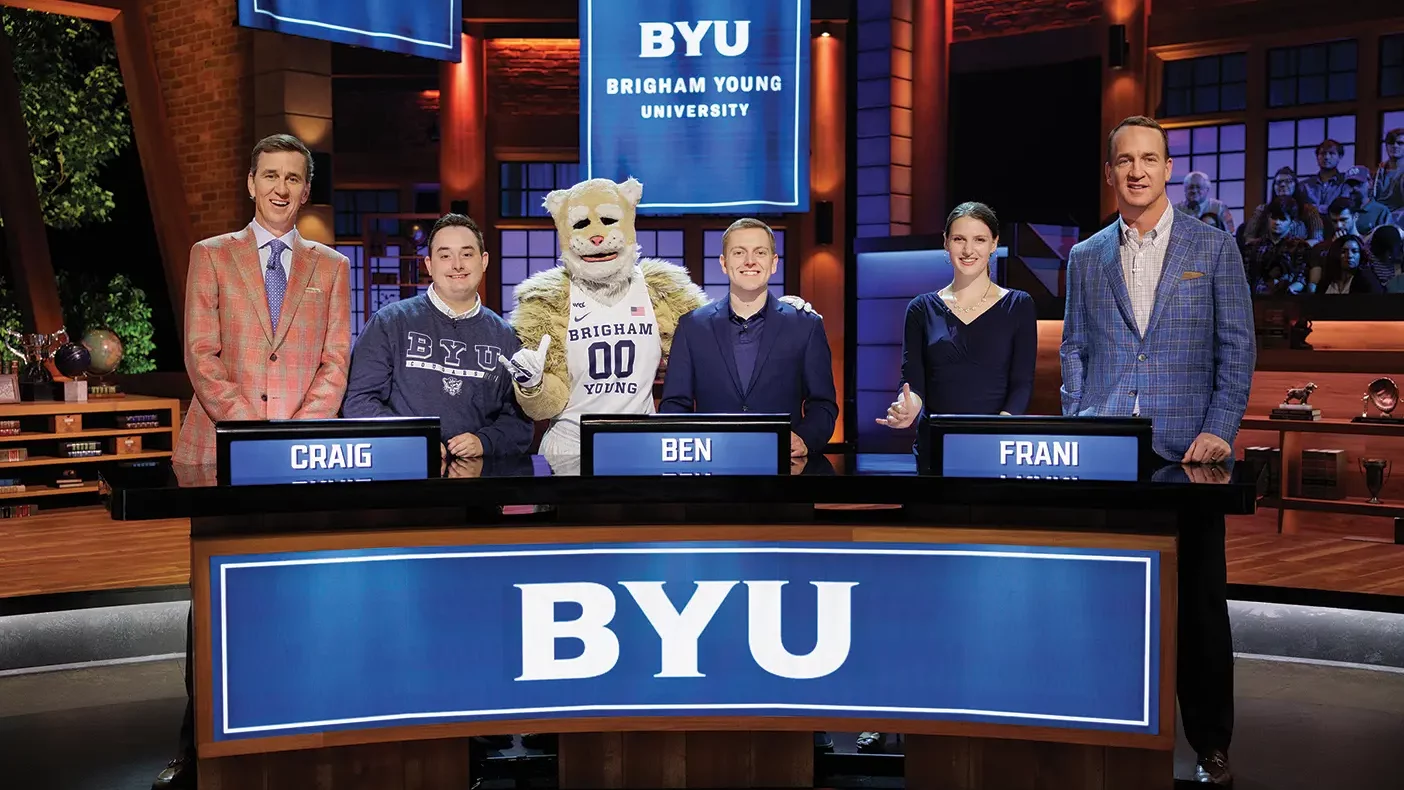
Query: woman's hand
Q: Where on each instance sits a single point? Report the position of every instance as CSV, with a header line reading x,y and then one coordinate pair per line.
x,y
903,411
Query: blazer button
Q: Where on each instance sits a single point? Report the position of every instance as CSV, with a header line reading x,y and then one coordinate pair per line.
x,y
1141,357
745,408
264,396
274,357
1132,393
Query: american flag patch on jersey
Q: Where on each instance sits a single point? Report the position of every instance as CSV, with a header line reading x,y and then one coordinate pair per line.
x,y
636,311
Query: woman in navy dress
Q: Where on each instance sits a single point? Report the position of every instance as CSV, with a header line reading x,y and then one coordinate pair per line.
x,y
969,348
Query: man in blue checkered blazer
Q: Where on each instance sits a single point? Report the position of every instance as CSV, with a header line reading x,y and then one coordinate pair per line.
x,y
1159,323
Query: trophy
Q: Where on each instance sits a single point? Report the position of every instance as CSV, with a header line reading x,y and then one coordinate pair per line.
x,y
1383,393
1295,405
1376,471
36,352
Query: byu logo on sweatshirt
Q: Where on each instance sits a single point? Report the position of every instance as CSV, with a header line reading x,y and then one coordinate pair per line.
x,y
487,356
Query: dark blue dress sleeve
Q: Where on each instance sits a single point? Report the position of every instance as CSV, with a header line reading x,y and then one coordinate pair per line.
x,y
914,348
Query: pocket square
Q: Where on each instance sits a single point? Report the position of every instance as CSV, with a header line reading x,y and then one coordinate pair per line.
x,y
314,290
1191,275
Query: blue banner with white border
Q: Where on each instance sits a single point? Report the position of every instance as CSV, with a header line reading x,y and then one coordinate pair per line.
x,y
330,640
704,101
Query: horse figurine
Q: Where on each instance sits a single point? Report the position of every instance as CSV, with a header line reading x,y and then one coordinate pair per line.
x,y
1299,394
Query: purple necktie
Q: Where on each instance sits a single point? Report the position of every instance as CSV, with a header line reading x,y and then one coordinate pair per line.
x,y
275,281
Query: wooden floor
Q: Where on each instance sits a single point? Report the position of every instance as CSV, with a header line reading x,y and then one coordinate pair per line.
x,y
82,549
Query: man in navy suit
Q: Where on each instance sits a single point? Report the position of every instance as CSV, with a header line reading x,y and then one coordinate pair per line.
x,y
753,353
1159,323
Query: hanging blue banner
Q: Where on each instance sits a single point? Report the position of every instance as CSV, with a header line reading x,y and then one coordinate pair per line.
x,y
704,101
331,640
427,28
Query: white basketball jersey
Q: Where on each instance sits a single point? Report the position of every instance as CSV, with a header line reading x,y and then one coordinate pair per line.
x,y
612,354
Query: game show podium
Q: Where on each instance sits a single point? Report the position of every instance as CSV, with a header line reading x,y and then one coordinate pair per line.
x,y
685,630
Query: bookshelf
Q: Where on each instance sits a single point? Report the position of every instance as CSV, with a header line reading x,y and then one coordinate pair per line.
x,y
47,427
1289,502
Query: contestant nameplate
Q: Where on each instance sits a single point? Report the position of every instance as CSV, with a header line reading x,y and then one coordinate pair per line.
x,y
1040,456
686,452
329,459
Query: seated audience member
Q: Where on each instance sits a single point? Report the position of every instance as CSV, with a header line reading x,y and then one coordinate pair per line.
x,y
752,352
1327,184
435,355
1387,250
1308,224
1274,282
1199,201
1340,222
1278,247
1389,186
1348,268
1213,220
1368,213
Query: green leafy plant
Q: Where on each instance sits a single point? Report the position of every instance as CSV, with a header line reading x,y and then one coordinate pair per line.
x,y
10,321
116,305
75,109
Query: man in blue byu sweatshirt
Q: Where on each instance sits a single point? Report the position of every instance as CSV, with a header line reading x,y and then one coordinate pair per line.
x,y
436,354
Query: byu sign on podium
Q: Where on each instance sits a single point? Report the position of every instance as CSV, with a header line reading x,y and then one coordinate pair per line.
x,y
307,642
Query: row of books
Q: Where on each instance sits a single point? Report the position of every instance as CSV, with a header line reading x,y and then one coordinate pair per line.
x,y
138,421
1323,471
9,427
24,510
10,454
11,485
85,448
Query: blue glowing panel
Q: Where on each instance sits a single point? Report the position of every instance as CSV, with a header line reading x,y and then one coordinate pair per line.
x,y
426,28
675,88
686,452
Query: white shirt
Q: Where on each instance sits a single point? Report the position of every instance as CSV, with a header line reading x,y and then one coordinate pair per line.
x,y
263,235
444,308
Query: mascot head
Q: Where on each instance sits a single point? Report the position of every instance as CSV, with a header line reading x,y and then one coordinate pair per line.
x,y
595,220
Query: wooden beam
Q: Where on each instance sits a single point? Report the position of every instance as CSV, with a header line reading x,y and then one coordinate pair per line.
x,y
160,165
94,10
26,240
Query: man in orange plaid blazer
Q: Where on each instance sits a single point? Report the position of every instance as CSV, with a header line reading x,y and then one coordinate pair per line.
x,y
267,337
265,342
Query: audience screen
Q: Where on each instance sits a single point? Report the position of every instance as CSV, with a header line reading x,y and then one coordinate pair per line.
x,y
427,28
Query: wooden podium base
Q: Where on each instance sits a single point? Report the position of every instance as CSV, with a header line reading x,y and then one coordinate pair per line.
x,y
953,763
741,759
403,765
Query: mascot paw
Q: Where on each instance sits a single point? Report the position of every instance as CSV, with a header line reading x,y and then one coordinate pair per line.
x,y
799,304
528,364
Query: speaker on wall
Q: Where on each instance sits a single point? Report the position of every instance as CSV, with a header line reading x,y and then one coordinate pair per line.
x,y
824,222
321,192
1118,48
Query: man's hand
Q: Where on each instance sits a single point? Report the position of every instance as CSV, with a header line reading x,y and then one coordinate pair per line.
x,y
797,447
798,463
465,445
799,304
1207,449
903,411
527,365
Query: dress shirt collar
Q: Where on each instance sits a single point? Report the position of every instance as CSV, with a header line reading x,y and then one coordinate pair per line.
x,y
1130,235
444,308
263,235
756,318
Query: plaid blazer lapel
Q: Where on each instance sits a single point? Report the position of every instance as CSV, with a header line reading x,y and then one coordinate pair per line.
x,y
245,254
1111,258
1176,261
304,262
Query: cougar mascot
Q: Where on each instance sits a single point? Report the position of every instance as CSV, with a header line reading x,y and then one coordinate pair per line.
x,y
595,330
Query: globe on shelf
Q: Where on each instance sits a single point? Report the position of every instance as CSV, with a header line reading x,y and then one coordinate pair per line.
x,y
105,350
72,360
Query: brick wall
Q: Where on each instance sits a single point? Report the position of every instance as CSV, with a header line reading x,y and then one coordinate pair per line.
x,y
534,92
985,18
205,65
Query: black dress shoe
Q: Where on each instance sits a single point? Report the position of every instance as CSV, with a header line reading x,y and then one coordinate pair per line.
x,y
1213,769
179,774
